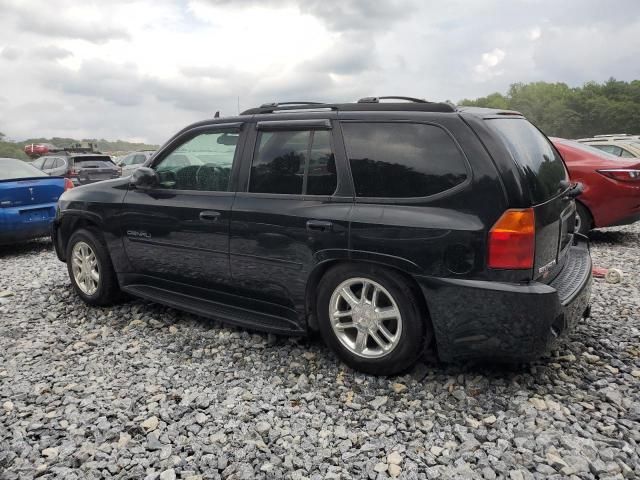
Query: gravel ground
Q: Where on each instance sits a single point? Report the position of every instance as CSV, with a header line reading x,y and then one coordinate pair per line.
x,y
143,391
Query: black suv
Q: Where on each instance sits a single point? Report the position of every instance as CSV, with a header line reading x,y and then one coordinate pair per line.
x,y
389,227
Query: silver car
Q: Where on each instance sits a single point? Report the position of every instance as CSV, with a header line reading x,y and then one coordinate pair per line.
x,y
133,161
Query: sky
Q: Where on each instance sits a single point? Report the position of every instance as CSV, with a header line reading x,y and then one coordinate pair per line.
x,y
140,70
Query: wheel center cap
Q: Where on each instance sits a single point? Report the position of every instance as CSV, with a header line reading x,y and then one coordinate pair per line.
x,y
364,317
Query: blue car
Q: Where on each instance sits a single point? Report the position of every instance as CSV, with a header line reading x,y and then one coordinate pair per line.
x,y
28,200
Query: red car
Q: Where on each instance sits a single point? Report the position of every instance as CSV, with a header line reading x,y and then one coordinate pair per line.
x,y
611,193
35,150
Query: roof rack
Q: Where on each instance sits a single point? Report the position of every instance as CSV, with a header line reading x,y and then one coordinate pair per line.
x,y
77,148
377,99
280,104
364,104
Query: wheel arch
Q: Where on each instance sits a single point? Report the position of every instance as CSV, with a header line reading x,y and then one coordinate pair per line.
x,y
321,269
69,224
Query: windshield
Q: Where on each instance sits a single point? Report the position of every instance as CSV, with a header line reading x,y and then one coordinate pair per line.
x,y
539,162
14,169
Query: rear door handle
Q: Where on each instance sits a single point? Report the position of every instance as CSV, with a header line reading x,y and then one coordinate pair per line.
x,y
209,216
319,226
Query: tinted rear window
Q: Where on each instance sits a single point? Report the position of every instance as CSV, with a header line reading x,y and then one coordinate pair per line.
x,y
94,160
538,161
402,160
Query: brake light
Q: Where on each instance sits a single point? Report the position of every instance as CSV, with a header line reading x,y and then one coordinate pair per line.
x,y
622,174
67,184
72,172
512,240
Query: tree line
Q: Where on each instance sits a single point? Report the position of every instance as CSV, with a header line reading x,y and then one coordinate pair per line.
x,y
10,149
572,112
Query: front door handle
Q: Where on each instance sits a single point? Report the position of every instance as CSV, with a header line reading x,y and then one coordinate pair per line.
x,y
319,226
209,216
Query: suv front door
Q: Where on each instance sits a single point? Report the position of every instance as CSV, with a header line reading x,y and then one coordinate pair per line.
x,y
291,209
179,231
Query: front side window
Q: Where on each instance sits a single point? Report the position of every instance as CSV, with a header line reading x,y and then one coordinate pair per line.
x,y
202,163
294,162
402,160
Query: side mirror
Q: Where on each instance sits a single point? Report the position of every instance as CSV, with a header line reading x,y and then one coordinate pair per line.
x,y
144,178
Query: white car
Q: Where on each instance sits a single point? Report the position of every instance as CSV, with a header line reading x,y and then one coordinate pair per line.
x,y
133,161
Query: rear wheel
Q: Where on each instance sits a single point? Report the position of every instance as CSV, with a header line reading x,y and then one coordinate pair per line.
x,y
371,318
584,221
90,268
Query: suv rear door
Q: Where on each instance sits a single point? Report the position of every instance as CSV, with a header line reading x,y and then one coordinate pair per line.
x,y
291,208
545,179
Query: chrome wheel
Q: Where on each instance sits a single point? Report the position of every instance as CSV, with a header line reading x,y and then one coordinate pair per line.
x,y
85,268
365,318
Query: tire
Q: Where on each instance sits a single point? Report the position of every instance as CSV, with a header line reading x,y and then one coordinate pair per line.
x,y
584,220
105,290
406,335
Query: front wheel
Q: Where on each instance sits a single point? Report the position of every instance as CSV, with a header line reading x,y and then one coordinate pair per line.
x,y
90,268
371,318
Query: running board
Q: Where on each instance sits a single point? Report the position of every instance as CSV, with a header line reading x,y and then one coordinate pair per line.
x,y
215,310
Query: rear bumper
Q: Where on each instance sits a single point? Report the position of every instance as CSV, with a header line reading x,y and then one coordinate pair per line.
x,y
14,228
508,322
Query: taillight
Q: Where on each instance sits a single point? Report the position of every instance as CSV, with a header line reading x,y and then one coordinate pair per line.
x,y
622,174
512,240
67,184
72,172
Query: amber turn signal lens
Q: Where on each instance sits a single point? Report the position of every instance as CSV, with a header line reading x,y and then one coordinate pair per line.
x,y
512,240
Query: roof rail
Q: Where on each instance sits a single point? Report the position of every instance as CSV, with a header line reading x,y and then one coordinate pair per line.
x,y
366,104
280,104
377,99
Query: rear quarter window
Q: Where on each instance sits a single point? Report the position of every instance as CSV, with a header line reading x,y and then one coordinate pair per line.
x,y
540,164
402,160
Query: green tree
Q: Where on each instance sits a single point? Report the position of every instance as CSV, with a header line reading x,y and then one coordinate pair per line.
x,y
559,110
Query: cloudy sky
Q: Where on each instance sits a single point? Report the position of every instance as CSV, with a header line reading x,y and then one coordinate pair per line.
x,y
142,69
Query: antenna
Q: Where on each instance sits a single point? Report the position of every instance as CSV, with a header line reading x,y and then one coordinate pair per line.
x,y
238,104
217,115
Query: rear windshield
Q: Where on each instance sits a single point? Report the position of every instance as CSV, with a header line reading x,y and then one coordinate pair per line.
x,y
14,169
94,160
540,163
588,149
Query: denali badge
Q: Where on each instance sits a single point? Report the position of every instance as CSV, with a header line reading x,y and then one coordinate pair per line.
x,y
135,233
545,268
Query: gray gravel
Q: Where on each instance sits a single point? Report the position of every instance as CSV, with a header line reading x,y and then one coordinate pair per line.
x,y
143,391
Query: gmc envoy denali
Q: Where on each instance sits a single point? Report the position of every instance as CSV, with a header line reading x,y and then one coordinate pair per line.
x,y
391,227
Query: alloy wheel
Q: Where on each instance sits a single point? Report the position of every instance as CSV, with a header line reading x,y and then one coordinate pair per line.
x,y
365,318
86,272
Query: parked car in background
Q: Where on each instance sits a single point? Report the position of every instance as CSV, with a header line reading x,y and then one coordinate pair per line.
x,y
129,163
28,200
611,193
626,146
390,228
35,150
80,168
